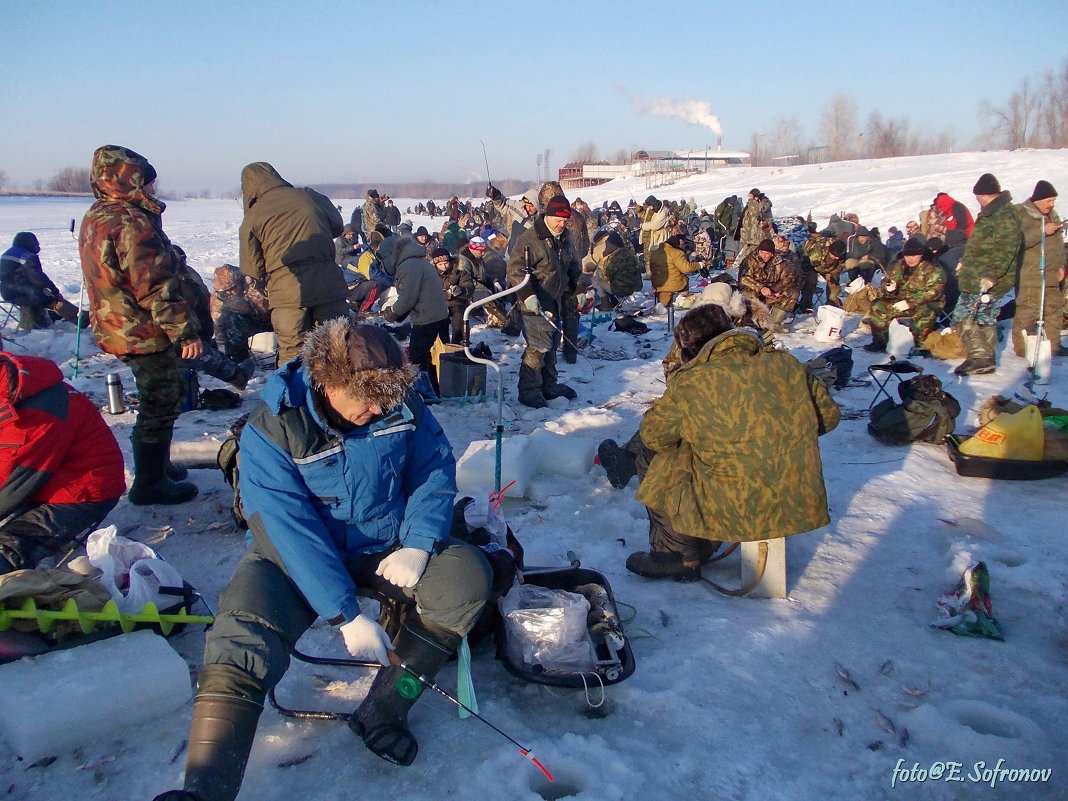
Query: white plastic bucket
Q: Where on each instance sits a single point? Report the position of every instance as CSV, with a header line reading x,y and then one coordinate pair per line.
x,y
1044,365
829,322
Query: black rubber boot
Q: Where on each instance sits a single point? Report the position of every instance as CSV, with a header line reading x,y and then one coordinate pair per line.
x,y
550,381
530,388
880,338
617,462
151,484
382,719
220,739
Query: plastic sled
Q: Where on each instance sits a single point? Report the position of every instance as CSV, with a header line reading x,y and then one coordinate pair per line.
x,y
1005,469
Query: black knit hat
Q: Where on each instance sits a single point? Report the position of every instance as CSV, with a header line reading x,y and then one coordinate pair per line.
x,y
437,253
1043,191
837,248
986,185
766,245
935,245
914,247
557,206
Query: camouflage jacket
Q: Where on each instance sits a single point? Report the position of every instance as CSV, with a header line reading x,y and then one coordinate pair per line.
x,y
993,251
618,270
236,293
129,265
817,249
922,285
372,214
702,245
287,240
735,441
1032,227
756,221
776,275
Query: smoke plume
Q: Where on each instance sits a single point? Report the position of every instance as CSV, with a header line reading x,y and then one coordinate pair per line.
x,y
695,112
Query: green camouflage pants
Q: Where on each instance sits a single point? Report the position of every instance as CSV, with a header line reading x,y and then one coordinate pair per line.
x,y
159,391
922,319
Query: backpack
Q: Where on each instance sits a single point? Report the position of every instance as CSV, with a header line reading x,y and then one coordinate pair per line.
x,y
926,413
833,367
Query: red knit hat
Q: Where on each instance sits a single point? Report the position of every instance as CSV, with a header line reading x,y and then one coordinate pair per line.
x,y
557,206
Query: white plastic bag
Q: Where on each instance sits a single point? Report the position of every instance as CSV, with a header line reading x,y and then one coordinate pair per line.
x,y
899,339
132,572
829,322
1044,363
482,512
547,628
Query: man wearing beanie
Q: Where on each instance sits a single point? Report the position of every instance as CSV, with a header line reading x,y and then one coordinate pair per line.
x,y
914,288
554,272
616,273
767,278
986,272
327,524
1043,247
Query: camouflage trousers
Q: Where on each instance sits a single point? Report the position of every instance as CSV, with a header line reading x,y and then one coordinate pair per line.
x,y
970,306
232,332
159,391
922,319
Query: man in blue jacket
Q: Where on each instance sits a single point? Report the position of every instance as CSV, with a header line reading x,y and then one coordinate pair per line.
x,y
347,482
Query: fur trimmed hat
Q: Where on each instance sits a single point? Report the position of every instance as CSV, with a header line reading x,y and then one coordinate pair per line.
x,y
363,360
721,294
986,185
227,277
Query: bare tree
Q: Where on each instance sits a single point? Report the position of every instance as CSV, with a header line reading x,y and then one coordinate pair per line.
x,y
3,180
621,156
785,138
586,153
838,127
1016,123
70,179
888,137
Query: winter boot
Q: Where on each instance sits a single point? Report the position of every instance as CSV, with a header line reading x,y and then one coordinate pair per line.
x,y
550,383
618,463
151,484
663,564
220,739
775,320
244,372
382,719
979,343
530,387
880,338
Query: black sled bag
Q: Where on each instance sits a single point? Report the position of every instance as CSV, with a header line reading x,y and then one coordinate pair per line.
x,y
614,659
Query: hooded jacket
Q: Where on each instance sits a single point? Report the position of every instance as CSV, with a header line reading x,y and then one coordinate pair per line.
x,y
22,279
419,292
735,441
668,268
130,268
954,213
55,448
287,240
315,496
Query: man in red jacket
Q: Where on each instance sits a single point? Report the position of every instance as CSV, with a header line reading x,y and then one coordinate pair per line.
x,y
61,469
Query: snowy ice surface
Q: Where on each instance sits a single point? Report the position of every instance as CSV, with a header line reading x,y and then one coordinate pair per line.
x,y
732,698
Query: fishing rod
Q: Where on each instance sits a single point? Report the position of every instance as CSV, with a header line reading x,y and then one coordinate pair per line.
x,y
486,159
411,690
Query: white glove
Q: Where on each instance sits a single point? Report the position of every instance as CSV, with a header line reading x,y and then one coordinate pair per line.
x,y
366,640
403,567
390,298
531,304
985,284
901,305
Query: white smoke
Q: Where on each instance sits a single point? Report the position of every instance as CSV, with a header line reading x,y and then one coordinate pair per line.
x,y
695,112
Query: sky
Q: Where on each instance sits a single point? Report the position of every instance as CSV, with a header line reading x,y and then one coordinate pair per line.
x,y
405,91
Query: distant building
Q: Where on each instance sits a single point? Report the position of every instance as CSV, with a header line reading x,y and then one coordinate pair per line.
x,y
575,175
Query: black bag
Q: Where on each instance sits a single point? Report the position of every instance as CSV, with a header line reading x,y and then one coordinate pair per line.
x,y
228,460
926,413
833,367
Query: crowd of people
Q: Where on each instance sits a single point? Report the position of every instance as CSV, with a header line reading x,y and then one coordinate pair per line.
x,y
327,524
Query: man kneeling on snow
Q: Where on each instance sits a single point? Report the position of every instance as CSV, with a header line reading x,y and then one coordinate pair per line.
x,y
347,482
729,451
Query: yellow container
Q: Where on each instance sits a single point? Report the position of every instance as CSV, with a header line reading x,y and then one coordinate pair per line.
x,y
1009,436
